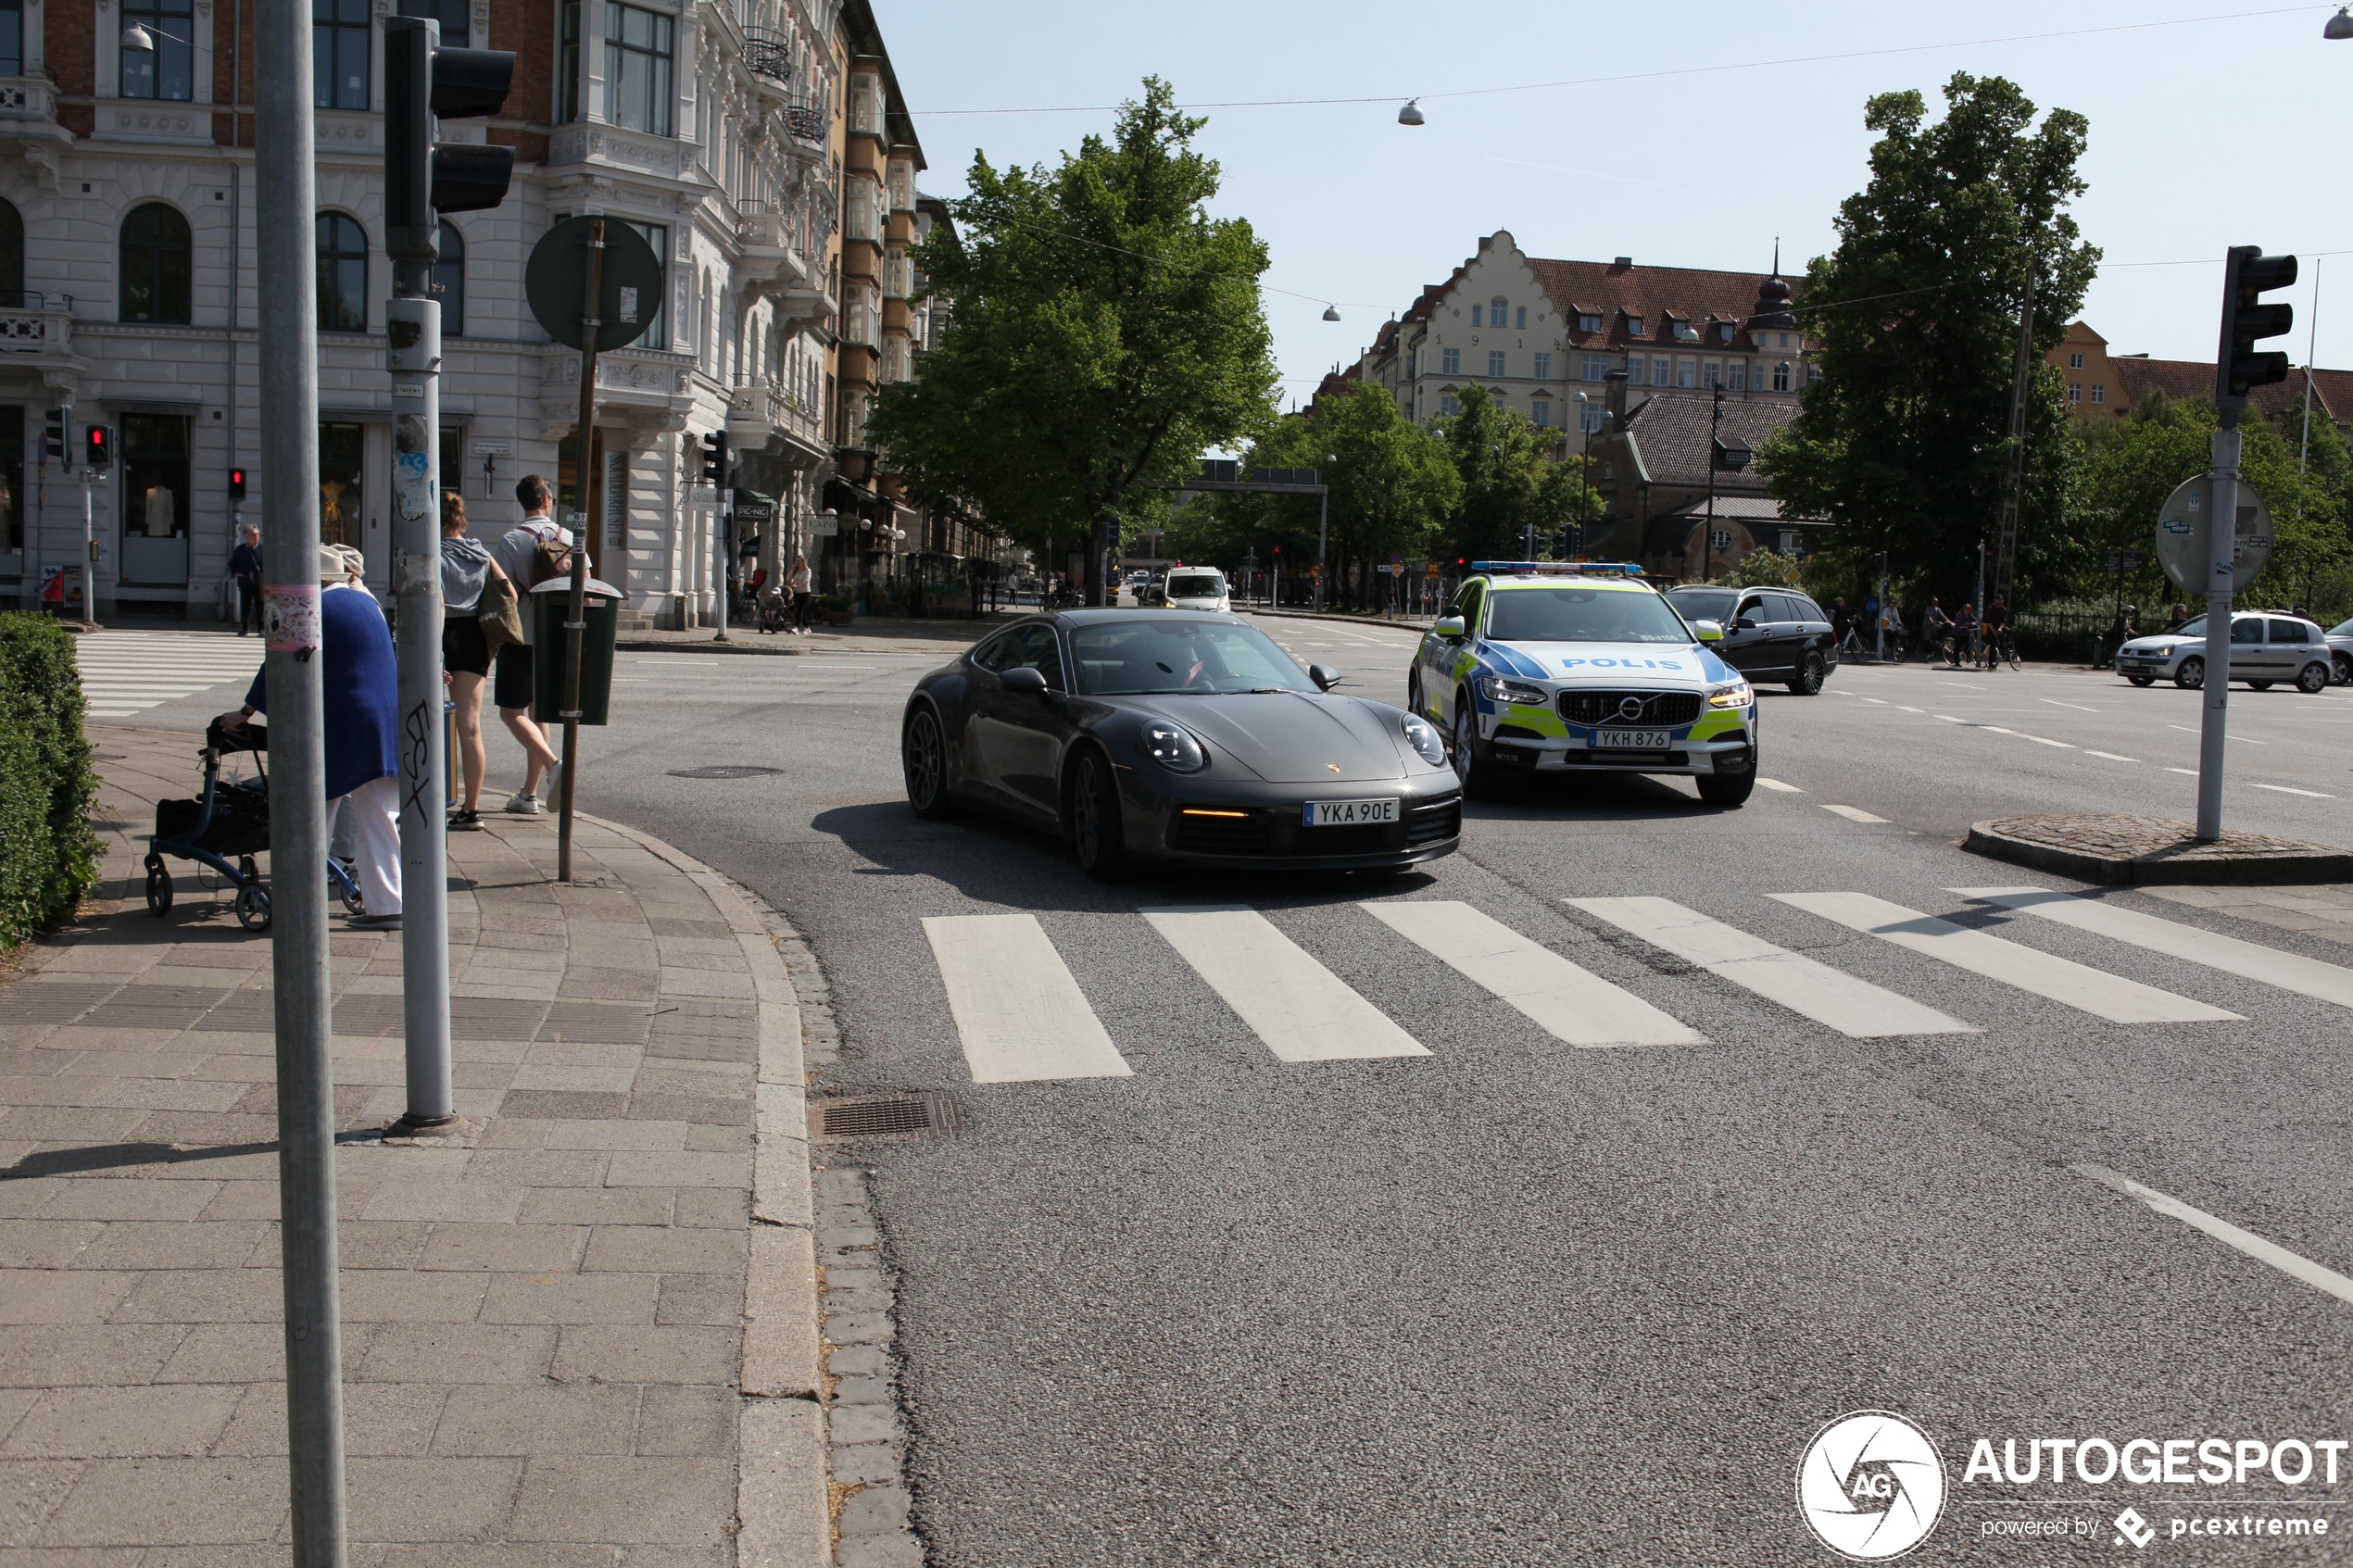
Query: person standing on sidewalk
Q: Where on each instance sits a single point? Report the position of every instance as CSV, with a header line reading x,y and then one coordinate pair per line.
x,y
245,567
466,572
797,583
360,698
518,555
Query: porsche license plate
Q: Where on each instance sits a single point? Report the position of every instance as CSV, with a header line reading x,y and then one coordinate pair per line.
x,y
1632,740
1347,813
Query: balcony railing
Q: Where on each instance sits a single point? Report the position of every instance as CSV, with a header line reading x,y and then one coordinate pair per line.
x,y
26,97
767,55
806,122
758,410
36,332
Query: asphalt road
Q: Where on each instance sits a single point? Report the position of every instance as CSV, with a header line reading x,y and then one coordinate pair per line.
x,y
1518,1300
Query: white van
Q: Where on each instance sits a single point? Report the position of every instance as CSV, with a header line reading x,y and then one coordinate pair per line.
x,y
1197,587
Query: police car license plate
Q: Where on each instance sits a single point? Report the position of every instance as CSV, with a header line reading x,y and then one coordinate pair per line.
x,y
1347,813
1631,740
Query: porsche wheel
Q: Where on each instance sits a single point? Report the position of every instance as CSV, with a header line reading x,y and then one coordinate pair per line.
x,y
924,752
1095,830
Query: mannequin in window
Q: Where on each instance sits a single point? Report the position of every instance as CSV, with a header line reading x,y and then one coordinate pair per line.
x,y
161,513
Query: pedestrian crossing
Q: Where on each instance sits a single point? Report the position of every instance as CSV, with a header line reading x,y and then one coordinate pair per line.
x,y
125,672
1021,1015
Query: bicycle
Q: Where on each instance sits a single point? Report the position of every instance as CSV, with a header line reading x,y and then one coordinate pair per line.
x,y
2002,646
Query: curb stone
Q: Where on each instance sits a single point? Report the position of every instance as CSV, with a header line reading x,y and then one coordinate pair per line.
x,y
2241,860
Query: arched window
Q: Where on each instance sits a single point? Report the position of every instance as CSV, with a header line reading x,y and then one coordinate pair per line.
x,y
343,274
155,264
1780,376
449,278
11,258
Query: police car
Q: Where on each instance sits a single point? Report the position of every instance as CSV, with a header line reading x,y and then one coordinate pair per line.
x,y
1543,667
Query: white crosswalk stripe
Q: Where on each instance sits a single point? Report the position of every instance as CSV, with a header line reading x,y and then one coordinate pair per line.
x,y
1301,1009
1852,1006
1569,1003
128,672
2188,944
1018,1011
2078,985
1022,1016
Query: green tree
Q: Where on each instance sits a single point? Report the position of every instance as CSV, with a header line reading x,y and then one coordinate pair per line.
x,y
1509,482
1106,331
1392,484
1901,438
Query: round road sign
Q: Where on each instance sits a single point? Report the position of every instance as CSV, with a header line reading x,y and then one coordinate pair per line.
x,y
554,281
2182,535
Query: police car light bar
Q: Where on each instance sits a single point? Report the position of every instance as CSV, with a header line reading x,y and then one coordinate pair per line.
x,y
1562,568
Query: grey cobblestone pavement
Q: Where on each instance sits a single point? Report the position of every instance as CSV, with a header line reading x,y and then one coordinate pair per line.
x,y
589,1337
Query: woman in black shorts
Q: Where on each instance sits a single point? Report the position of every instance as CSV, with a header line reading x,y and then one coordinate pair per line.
x,y
465,567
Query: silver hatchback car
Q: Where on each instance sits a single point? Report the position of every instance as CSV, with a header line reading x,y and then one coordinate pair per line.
x,y
2266,650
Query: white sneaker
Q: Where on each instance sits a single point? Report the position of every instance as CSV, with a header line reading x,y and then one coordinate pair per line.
x,y
549,783
522,803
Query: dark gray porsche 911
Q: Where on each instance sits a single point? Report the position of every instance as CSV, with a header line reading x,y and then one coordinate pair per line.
x,y
1177,736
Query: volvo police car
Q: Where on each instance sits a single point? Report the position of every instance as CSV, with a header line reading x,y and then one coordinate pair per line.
x,y
1550,668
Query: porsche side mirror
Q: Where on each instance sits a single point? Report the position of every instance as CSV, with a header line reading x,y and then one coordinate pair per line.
x,y
1449,626
1709,631
1023,680
1324,676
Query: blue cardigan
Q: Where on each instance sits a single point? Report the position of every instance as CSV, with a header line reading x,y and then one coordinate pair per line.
x,y
362,690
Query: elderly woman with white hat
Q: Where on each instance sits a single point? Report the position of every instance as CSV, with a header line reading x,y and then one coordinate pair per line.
x,y
361,691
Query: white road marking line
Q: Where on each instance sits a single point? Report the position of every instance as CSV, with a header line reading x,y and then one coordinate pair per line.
x,y
2187,731
2284,789
1301,1009
1852,1006
1777,784
2077,985
2191,771
2109,755
1950,720
1019,1013
2293,1264
1997,729
1912,710
2039,740
1852,813
2184,944
1879,700
2056,703
1570,1003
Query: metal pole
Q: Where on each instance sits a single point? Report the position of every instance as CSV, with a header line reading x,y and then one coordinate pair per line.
x,y
725,546
2221,551
412,324
1707,544
2006,561
1879,620
90,551
1323,535
285,210
577,619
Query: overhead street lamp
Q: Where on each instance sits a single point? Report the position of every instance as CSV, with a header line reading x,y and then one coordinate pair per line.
x,y
1412,113
140,40
2339,26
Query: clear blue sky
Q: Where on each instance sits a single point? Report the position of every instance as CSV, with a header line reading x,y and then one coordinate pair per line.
x,y
2203,136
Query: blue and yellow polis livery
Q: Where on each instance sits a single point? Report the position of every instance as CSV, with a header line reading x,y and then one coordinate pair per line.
x,y
1547,667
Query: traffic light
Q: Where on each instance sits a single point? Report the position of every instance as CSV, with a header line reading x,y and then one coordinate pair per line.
x,y
2248,275
424,84
97,446
714,459
236,484
53,440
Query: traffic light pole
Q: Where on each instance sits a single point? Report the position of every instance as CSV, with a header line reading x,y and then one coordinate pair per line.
x,y
2221,550
89,550
576,620
412,324
725,544
286,283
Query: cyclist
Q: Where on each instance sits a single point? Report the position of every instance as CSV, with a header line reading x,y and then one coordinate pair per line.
x,y
1964,642
1935,626
1997,633
1891,625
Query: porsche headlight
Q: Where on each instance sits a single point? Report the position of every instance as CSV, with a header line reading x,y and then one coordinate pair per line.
x,y
1494,688
1173,749
1425,740
1738,695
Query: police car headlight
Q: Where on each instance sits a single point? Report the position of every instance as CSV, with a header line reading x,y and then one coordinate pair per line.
x,y
1738,696
1425,741
1494,688
1173,749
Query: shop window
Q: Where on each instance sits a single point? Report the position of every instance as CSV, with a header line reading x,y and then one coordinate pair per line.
x,y
154,498
341,462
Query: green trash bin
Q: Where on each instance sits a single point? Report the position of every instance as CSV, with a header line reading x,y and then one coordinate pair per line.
x,y
549,603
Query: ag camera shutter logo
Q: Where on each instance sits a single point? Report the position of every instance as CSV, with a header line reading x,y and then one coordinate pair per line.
x,y
1870,1485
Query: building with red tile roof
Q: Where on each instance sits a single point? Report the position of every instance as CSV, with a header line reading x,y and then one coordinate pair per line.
x,y
2101,382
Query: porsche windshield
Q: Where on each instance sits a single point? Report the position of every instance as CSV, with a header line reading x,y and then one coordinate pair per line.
x,y
1129,657
1582,615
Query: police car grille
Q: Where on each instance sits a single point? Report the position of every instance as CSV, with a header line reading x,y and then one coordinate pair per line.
x,y
1605,708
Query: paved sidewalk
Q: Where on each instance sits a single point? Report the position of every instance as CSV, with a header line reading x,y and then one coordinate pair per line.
x,y
589,1338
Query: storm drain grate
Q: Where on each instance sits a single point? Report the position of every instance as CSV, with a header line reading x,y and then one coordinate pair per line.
x,y
731,770
884,1116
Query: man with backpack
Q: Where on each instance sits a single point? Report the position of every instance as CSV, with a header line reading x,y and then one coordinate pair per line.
x,y
530,553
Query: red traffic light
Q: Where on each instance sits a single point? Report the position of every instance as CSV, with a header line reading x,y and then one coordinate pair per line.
x,y
236,484
97,446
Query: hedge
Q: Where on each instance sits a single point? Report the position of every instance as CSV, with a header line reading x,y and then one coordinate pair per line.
x,y
48,851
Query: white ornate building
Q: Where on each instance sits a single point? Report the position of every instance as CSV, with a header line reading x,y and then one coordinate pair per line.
x,y
718,130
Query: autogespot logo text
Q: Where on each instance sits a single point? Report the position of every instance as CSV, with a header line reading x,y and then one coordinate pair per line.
x,y
1870,1485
